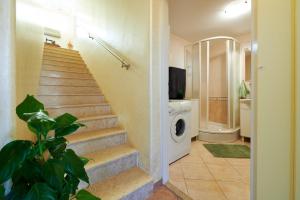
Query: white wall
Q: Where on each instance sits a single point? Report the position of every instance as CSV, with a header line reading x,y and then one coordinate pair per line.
x,y
7,75
159,88
176,51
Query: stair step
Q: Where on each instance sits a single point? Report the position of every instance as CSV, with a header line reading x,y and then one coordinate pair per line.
x,y
62,55
63,60
60,90
63,64
54,51
81,110
132,184
59,49
67,81
69,99
88,142
109,162
58,74
65,68
96,123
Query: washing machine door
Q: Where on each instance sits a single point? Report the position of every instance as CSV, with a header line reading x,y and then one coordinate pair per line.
x,y
178,128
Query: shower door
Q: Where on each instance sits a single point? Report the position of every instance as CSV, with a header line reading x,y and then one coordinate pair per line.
x,y
219,82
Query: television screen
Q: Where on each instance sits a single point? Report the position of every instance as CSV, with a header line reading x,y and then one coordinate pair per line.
x,y
177,82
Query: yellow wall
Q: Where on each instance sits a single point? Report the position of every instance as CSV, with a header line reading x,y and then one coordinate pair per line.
x,y
273,100
298,100
176,54
7,66
126,28
29,49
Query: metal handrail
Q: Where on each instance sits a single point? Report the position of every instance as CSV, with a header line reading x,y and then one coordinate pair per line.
x,y
109,49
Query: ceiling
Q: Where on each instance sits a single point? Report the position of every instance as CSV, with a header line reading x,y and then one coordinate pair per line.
x,y
199,19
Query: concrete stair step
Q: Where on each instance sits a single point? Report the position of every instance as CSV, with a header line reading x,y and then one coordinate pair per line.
x,y
59,49
81,110
62,55
58,74
110,161
96,123
62,64
44,80
60,90
132,184
63,60
70,99
88,142
65,68
72,59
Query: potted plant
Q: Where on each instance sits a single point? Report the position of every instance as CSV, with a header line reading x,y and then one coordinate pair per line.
x,y
43,169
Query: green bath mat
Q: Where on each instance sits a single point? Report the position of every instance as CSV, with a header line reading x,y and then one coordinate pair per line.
x,y
228,150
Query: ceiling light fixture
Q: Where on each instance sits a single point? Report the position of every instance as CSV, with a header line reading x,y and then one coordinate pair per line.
x,y
237,8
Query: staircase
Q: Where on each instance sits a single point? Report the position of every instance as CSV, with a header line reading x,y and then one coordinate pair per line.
x,y
67,86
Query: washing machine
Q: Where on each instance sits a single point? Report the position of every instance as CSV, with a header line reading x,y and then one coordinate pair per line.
x,y
179,136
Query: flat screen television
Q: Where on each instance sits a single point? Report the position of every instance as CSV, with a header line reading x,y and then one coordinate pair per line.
x,y
177,82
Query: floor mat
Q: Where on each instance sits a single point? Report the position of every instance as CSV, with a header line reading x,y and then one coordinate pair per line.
x,y
228,150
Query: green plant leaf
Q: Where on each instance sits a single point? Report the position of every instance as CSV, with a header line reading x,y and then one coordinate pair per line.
x,y
65,120
65,125
84,160
29,105
85,195
74,165
2,192
41,191
12,155
60,132
53,172
30,172
18,191
56,146
72,183
41,123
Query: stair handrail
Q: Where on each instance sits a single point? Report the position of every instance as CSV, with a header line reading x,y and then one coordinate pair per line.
x,y
124,63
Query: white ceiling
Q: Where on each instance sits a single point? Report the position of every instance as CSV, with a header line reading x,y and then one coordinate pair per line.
x,y
199,19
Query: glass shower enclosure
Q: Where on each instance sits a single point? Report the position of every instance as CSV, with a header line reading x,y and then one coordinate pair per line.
x,y
215,81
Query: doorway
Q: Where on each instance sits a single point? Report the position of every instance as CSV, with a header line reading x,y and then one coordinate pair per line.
x,y
201,174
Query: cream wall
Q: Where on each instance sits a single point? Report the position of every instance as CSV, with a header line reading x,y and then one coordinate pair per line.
x,y
125,26
159,30
273,74
297,167
7,75
29,49
176,51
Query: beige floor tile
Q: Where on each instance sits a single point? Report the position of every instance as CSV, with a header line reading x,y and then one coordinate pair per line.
x,y
235,190
224,173
191,158
176,172
208,158
238,162
244,172
204,190
196,172
179,185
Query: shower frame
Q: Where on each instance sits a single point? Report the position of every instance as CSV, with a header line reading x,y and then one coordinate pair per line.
x,y
201,77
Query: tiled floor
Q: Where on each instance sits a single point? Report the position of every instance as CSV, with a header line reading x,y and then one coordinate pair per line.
x,y
204,177
163,193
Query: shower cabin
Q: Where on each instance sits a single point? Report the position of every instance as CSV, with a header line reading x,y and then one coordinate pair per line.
x,y
213,78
